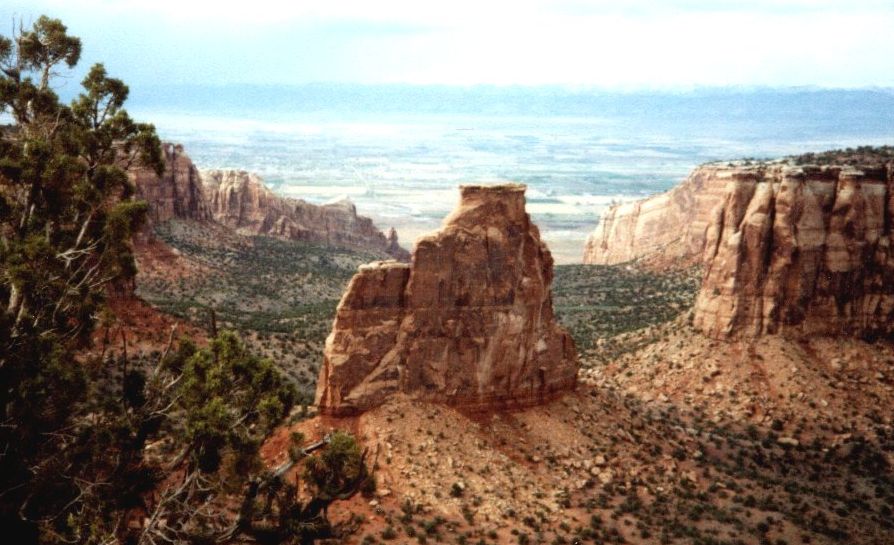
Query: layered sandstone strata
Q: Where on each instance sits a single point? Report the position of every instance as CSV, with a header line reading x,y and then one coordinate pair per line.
x,y
240,200
177,193
469,322
805,248
668,229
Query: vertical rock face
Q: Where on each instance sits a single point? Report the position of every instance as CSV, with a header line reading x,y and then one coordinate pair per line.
x,y
806,248
240,200
468,322
668,229
177,193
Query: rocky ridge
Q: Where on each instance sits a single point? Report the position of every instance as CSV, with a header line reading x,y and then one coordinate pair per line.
x,y
784,246
668,229
469,322
240,200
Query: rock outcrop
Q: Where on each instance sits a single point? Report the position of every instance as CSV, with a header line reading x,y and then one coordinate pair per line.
x,y
668,229
802,248
177,193
240,200
469,322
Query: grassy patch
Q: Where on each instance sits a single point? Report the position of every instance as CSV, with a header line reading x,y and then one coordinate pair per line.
x,y
600,301
279,294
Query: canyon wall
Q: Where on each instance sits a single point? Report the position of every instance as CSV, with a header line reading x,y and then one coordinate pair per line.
x,y
783,246
668,229
240,200
468,322
177,193
800,248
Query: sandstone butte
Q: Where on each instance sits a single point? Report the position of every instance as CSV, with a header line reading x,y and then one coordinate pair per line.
x,y
468,322
241,201
784,248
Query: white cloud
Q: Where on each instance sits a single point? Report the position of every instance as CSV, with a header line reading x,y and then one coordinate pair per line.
x,y
602,43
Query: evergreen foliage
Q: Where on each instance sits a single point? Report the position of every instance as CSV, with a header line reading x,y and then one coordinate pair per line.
x,y
97,449
66,219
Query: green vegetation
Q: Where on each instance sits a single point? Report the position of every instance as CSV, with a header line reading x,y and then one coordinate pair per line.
x,y
597,302
257,283
65,223
97,448
279,294
861,155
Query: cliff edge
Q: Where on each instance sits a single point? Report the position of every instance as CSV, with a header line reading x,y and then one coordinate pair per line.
x,y
668,229
240,200
469,322
785,246
177,193
805,248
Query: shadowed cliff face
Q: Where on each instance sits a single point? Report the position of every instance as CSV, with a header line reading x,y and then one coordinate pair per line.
x,y
468,322
177,193
800,247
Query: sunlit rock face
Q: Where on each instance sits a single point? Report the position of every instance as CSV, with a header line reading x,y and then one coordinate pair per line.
x,y
240,200
800,248
667,230
468,322
784,247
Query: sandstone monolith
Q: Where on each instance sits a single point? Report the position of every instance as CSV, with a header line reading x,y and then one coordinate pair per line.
x,y
468,322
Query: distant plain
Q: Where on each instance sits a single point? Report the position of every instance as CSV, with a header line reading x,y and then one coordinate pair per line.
x,y
398,152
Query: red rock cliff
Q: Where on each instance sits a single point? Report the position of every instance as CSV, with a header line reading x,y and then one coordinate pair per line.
x,y
800,248
240,200
468,322
177,193
669,228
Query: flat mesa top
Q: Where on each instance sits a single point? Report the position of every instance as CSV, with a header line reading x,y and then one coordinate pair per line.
x,y
495,188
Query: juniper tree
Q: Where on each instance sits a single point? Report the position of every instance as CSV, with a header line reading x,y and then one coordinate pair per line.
x,y
75,466
66,219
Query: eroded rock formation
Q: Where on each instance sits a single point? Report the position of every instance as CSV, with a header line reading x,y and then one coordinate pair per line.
x,y
240,200
784,246
668,229
805,248
177,193
468,322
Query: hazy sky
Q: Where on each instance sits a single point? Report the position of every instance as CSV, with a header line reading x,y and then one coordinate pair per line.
x,y
615,43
